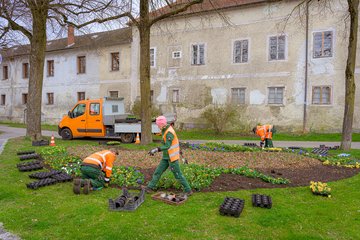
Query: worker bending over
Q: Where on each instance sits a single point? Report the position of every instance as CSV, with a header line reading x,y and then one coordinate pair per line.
x,y
265,132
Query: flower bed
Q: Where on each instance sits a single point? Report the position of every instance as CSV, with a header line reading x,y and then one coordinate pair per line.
x,y
319,188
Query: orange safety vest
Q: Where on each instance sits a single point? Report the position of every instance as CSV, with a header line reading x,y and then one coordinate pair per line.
x,y
105,159
264,131
174,150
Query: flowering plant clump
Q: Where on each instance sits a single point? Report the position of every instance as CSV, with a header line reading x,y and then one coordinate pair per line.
x,y
126,176
320,188
219,147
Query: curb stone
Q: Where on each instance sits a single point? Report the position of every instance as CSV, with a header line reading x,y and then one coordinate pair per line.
x,y
6,235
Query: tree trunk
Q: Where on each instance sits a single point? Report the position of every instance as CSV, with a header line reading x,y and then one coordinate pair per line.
x,y
144,30
349,77
37,58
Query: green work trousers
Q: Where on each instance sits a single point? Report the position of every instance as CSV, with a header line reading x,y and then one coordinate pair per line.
x,y
175,169
95,175
268,143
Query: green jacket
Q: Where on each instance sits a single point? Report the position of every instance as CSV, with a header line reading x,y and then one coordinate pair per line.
x,y
167,144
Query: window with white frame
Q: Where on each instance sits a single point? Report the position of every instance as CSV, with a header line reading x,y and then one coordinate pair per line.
x,y
276,95
277,45
198,54
175,96
238,95
176,54
50,98
240,51
152,57
3,99
321,95
323,44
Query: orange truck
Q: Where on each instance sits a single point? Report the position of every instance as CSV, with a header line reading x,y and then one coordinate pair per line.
x,y
102,118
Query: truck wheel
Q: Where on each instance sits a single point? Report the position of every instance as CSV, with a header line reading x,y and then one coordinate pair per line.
x,y
66,134
127,137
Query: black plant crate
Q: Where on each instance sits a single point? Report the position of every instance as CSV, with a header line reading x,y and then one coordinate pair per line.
x,y
232,207
263,201
29,156
127,201
62,177
41,175
320,151
250,145
25,152
40,143
30,167
41,183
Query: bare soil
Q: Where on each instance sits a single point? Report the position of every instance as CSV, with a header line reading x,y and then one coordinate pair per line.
x,y
299,169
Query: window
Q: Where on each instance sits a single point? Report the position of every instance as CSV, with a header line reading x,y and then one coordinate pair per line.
x,y
115,108
79,110
238,95
175,96
5,72
50,68
323,44
198,54
151,96
50,98
81,96
94,108
115,61
276,95
176,55
277,48
114,94
3,98
240,51
321,95
152,57
24,98
25,70
81,64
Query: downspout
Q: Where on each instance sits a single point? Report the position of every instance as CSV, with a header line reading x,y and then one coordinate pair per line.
x,y
306,65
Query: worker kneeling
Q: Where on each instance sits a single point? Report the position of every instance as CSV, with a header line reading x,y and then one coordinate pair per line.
x,y
96,171
265,132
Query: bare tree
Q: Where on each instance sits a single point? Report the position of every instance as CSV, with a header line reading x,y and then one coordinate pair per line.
x,y
31,17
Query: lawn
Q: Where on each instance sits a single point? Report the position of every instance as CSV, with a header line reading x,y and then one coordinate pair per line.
x,y
54,212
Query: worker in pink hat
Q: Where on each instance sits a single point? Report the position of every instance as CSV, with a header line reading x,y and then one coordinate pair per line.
x,y
171,154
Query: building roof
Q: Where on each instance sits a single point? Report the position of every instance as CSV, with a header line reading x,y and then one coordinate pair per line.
x,y
93,40
207,5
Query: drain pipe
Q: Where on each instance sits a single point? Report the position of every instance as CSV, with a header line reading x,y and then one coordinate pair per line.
x,y
306,64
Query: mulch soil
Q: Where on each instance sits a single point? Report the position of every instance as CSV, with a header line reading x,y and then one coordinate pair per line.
x,y
299,169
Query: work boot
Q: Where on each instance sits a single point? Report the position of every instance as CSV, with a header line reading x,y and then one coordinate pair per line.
x,y
77,186
87,186
189,193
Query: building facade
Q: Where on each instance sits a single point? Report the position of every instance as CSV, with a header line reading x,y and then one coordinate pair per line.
x,y
251,55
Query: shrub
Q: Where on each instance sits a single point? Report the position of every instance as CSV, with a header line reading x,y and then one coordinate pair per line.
x,y
136,110
219,116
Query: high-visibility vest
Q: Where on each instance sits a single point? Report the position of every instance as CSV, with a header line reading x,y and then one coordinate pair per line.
x,y
174,150
264,131
104,159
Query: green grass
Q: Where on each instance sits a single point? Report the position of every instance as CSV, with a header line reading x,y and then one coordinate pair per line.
x,y
54,212
23,125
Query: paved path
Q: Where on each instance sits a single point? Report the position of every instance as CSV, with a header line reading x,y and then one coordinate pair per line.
x,y
11,132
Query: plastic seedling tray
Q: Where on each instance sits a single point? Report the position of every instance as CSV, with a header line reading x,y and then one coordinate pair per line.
x,y
127,201
41,175
262,201
232,207
169,198
29,156
25,152
41,183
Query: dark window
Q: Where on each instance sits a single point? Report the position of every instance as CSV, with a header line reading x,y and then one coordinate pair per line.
x,y
238,95
115,61
81,64
152,57
94,108
81,96
50,98
276,95
321,95
175,96
241,51
323,44
50,68
24,98
25,70
115,108
3,98
151,96
198,54
277,48
5,72
114,94
79,110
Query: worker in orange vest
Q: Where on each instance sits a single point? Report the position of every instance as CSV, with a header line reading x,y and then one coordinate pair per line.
x,y
170,149
96,171
265,132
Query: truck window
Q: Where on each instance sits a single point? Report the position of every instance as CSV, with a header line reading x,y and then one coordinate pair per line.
x,y
94,108
79,110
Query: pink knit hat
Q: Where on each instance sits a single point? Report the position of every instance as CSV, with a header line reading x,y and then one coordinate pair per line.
x,y
161,121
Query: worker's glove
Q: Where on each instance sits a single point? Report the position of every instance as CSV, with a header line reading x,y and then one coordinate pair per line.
x,y
153,151
261,144
107,182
